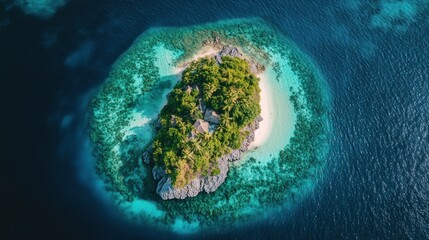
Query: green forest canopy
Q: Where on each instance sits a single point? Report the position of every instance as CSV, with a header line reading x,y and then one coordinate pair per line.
x,y
232,91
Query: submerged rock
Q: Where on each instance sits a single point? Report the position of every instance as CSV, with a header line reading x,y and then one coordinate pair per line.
x,y
147,154
166,190
158,172
146,158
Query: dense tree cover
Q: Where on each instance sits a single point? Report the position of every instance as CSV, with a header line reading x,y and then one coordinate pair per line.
x,y
228,88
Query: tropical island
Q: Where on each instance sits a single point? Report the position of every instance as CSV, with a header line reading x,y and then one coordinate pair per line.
x,y
281,164
210,119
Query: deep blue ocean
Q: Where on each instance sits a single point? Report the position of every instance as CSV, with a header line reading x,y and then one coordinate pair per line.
x,y
374,56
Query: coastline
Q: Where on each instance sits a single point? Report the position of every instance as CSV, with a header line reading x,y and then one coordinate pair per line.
x,y
203,52
280,117
267,111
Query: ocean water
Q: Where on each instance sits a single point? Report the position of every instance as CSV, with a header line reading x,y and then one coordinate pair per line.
x,y
373,56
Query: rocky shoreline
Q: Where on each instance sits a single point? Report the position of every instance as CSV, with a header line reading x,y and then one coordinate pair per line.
x,y
166,190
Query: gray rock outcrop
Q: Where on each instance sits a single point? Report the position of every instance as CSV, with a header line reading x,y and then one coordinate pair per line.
x,y
166,190
227,51
231,51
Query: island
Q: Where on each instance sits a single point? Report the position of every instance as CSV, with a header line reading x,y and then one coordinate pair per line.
x,y
210,119
281,165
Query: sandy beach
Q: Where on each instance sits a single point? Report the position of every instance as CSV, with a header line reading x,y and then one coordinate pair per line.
x,y
204,52
267,111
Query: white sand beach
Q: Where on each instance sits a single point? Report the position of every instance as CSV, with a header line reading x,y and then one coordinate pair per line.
x,y
203,52
267,111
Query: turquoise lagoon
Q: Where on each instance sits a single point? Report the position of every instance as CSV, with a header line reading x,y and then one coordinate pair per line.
x,y
272,177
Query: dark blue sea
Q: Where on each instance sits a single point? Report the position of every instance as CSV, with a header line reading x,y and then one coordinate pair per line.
x,y
374,56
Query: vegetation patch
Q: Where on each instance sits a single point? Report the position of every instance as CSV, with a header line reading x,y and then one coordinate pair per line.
x,y
205,117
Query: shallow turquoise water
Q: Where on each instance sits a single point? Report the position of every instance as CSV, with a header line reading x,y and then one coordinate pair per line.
x,y
281,113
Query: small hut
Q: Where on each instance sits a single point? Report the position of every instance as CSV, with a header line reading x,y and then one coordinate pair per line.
x,y
201,126
212,117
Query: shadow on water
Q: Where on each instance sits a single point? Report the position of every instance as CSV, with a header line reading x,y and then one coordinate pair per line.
x,y
136,173
147,103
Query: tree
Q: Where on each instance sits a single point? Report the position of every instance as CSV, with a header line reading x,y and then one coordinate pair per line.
x,y
188,154
207,136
